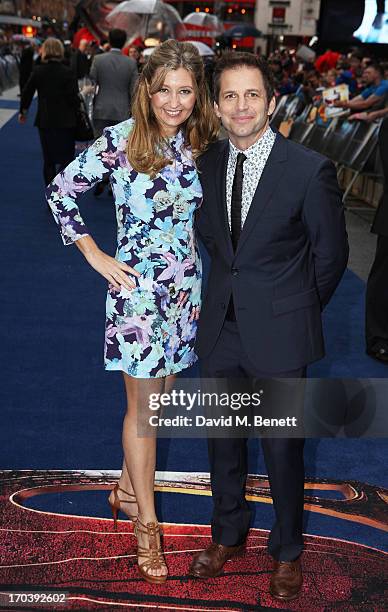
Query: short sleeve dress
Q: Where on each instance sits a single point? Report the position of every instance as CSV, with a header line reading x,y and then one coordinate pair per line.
x,y
150,331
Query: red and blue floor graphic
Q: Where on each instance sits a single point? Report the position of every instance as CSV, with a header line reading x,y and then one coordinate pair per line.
x,y
83,556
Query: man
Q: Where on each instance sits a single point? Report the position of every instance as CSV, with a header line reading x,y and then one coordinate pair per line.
x,y
115,76
273,223
312,88
26,64
377,287
135,53
80,61
373,97
345,75
355,65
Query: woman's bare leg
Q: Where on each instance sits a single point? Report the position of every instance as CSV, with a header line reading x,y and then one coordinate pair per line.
x,y
138,473
169,383
125,483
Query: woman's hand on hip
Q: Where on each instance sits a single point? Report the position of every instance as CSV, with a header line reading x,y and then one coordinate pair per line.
x,y
115,272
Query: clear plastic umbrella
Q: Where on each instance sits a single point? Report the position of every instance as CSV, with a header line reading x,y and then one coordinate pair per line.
x,y
145,17
203,19
147,52
146,7
202,48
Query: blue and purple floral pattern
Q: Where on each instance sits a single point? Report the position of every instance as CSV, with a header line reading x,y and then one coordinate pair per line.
x,y
150,331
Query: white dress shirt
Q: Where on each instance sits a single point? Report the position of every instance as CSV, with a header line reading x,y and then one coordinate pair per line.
x,y
256,158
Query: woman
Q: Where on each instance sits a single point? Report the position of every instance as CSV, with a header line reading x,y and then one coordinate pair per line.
x,y
154,282
57,107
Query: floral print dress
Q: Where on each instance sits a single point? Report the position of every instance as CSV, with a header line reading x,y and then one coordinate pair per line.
x,y
150,331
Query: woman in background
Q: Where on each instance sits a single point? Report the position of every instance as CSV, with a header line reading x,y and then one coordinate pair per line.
x,y
58,102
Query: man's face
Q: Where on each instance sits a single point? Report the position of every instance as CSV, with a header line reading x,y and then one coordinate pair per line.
x,y
242,105
355,63
313,80
83,45
134,53
365,62
370,75
275,67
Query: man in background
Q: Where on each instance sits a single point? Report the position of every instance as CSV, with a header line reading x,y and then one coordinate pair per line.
x,y
115,76
377,287
80,61
374,96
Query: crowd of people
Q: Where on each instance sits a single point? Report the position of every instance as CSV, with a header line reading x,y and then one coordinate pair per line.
x,y
365,76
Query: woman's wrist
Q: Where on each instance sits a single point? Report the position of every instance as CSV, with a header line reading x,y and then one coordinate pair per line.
x,y
87,246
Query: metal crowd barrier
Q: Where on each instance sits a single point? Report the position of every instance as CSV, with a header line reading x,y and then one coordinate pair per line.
x,y
288,107
9,72
349,144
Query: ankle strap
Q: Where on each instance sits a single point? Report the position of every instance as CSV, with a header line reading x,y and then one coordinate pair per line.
x,y
150,528
124,501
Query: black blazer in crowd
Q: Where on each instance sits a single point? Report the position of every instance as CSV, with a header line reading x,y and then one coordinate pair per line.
x,y
57,89
291,255
380,223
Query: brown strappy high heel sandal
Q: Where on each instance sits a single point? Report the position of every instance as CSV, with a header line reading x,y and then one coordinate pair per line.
x,y
154,554
115,505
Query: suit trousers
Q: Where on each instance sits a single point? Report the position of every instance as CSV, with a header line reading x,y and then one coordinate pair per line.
x,y
229,469
58,148
377,300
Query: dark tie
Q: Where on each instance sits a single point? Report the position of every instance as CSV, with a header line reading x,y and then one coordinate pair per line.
x,y
235,219
235,210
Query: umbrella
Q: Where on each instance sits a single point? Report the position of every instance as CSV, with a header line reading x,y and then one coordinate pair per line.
x,y
141,7
142,17
147,52
202,48
203,19
27,39
242,30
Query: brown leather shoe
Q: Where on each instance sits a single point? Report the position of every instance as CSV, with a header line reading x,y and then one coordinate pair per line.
x,y
286,580
209,562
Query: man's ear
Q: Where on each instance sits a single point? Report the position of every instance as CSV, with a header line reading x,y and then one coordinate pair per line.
x,y
272,106
217,112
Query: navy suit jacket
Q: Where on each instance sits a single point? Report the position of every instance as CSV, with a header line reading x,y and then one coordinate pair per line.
x,y
291,255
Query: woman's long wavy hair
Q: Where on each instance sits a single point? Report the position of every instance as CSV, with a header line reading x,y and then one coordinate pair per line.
x,y
146,150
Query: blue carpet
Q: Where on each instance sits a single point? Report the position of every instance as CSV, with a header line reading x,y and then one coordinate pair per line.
x,y
10,104
61,410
